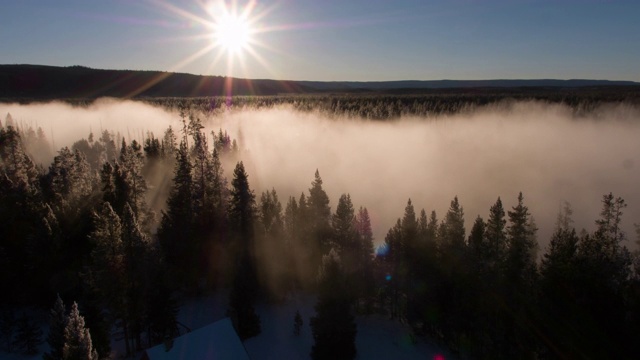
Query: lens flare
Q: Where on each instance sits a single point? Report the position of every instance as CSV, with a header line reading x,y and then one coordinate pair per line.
x,y
232,33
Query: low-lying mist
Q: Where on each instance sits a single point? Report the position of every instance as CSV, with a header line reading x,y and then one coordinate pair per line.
x,y
539,149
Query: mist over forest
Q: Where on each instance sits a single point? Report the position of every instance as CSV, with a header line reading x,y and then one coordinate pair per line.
x,y
547,151
492,228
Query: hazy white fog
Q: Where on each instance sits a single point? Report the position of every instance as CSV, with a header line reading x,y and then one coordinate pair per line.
x,y
67,124
535,148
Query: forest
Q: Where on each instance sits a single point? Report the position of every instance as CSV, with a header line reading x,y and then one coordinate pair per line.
x,y
120,230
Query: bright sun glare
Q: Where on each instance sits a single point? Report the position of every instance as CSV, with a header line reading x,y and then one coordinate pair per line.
x,y
232,32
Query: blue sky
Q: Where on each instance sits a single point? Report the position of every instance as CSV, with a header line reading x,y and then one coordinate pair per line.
x,y
333,40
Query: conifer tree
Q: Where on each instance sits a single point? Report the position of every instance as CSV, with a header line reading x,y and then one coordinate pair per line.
x,y
344,239
495,234
77,339
319,216
57,324
28,335
520,279
392,264
175,233
244,289
272,245
168,146
521,256
365,276
334,328
271,213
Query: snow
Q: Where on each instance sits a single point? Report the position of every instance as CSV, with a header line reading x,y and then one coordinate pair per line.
x,y
378,337
215,341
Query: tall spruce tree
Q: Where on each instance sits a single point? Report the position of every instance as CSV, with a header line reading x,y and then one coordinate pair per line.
x,y
175,233
77,339
334,328
520,280
364,271
57,324
28,335
245,288
319,217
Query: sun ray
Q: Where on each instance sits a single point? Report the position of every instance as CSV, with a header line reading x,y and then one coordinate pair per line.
x,y
231,30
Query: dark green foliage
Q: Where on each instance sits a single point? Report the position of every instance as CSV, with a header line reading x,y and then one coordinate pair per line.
x,y
364,277
319,216
57,324
245,288
28,335
175,232
273,253
334,328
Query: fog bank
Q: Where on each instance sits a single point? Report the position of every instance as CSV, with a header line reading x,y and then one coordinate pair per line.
x,y
65,124
530,147
535,148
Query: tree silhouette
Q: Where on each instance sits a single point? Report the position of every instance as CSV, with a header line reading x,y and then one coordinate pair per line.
x,y
334,328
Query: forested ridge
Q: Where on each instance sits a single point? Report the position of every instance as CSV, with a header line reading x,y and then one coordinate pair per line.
x,y
87,230
21,82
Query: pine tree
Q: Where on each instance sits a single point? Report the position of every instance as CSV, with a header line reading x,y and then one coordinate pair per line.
x,y
271,213
130,185
452,231
272,245
57,324
521,255
136,261
320,216
77,339
242,208
28,335
520,280
15,164
344,239
495,234
175,233
365,276
244,290
169,141
604,268
334,328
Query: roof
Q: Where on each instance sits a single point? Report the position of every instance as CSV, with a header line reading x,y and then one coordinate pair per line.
x,y
215,341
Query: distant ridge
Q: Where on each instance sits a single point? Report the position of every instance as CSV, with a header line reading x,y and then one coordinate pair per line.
x,y
51,82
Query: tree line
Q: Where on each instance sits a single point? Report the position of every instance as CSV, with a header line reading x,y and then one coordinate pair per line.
x,y
489,295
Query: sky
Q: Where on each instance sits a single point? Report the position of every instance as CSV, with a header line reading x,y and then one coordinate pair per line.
x,y
334,40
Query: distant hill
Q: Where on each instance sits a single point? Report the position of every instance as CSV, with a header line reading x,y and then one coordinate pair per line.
x,y
44,82
50,82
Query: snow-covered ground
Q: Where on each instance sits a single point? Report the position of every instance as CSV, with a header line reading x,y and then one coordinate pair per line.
x,y
378,337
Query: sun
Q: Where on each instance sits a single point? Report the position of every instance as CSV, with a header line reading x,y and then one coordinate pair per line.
x,y
232,33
